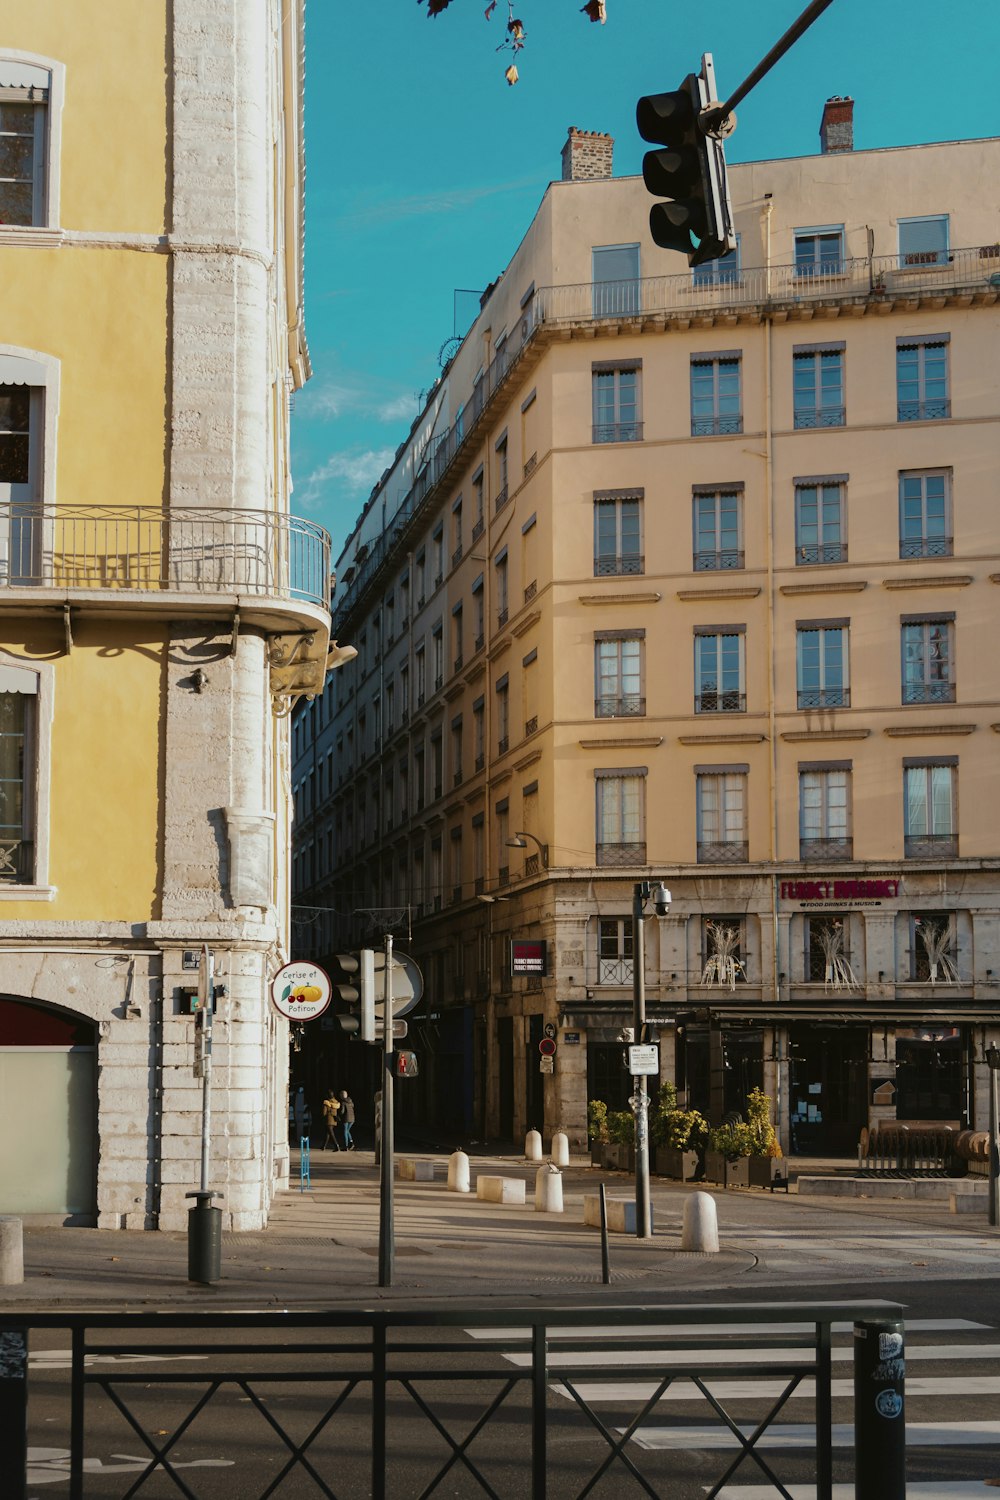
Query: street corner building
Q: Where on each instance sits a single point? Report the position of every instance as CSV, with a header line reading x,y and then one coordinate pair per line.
x,y
692,576
160,609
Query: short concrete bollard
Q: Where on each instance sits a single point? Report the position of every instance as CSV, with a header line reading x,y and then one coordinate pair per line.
x,y
700,1230
620,1211
560,1149
500,1189
458,1172
548,1190
414,1169
11,1251
533,1145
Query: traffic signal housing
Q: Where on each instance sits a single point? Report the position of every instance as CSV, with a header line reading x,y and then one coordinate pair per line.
x,y
689,170
356,986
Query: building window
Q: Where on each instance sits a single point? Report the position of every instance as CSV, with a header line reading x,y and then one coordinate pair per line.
x,y
390,707
825,811
456,532
420,663
456,750
420,566
437,763
928,659
618,535
478,853
500,570
930,825
721,814
614,950
478,614
922,379
715,394
437,542
618,677
437,656
722,951
503,834
616,403
821,666
820,521
722,272
456,636
924,241
818,386
23,785
477,505
479,733
503,714
933,948
925,528
819,252
719,672
503,474
828,952
621,818
28,153
456,864
616,286
718,529
404,693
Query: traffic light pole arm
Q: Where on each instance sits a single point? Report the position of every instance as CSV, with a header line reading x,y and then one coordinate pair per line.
x,y
712,119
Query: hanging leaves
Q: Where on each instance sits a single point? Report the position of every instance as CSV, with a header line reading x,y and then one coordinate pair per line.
x,y
596,10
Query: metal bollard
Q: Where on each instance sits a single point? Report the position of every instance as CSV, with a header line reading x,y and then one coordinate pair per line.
x,y
204,1239
14,1409
879,1417
605,1254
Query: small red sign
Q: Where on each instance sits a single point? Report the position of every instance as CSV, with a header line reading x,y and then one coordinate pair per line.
x,y
547,1047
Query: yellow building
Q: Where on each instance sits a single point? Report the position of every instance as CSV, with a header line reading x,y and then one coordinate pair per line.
x,y
159,607
691,576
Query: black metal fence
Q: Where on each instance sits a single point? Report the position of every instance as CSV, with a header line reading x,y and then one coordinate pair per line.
x,y
411,1403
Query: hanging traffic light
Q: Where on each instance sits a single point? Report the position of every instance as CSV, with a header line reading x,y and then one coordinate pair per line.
x,y
690,170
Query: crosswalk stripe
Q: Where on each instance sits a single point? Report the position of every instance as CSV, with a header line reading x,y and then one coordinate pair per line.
x,y
662,1330
803,1435
629,1359
684,1389
933,1489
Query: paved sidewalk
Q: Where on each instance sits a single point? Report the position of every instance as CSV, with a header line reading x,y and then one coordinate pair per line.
x,y
321,1246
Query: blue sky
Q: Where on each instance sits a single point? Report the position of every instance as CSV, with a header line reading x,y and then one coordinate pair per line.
x,y
423,168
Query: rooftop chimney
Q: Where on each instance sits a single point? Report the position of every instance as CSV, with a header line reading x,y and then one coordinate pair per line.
x,y
836,130
586,155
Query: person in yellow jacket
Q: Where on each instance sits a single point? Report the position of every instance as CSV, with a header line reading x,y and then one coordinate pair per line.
x,y
331,1109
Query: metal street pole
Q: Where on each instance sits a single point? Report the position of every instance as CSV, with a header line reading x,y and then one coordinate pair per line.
x,y
386,1241
717,116
640,1096
993,1062
208,1004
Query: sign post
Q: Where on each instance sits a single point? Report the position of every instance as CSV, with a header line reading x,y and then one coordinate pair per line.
x,y
386,1244
205,1221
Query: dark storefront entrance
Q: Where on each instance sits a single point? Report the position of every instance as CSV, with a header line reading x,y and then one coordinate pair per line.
x,y
932,1073
828,1089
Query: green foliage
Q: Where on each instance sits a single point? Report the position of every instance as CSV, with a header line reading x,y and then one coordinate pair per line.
x,y
752,1137
621,1127
597,1120
680,1129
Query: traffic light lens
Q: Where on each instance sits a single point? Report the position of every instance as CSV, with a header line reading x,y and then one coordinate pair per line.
x,y
661,117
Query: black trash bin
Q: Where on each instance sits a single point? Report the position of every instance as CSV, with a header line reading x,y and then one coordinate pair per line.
x,y
204,1239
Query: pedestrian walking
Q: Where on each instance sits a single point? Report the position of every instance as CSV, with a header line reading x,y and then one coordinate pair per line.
x,y
346,1118
331,1109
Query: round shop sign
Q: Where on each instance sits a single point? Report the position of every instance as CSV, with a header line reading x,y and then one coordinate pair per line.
x,y
301,992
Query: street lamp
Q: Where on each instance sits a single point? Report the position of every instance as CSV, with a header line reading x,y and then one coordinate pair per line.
x,y
519,841
993,1062
641,893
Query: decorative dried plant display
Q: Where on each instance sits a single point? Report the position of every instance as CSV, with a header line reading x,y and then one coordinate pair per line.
x,y
936,940
837,971
723,964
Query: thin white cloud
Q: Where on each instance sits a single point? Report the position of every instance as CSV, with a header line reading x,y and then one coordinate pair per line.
x,y
383,206
350,473
333,401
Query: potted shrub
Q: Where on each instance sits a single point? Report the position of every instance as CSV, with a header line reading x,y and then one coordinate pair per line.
x,y
619,1153
743,1153
677,1136
597,1129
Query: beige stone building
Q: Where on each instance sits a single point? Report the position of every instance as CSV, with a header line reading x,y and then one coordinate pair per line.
x,y
692,577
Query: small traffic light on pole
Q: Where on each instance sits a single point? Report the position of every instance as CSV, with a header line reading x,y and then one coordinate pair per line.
x,y
689,170
358,988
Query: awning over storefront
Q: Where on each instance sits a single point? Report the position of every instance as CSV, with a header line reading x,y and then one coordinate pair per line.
x,y
949,1010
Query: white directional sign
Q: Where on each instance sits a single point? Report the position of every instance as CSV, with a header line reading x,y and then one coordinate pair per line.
x,y
300,991
643,1060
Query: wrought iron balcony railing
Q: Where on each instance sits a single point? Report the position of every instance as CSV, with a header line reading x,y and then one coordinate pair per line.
x,y
615,970
928,692
621,854
925,546
718,426
822,552
718,562
147,549
923,411
819,416
622,706
617,432
627,565
930,846
724,852
712,702
831,697
826,848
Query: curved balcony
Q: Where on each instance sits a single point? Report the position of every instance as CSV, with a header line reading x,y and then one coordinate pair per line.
x,y
120,551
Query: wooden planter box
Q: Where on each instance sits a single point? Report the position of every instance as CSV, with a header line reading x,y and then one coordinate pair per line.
x,y
670,1162
617,1158
597,1153
745,1171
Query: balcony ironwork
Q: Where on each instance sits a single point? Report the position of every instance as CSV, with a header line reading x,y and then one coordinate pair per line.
x,y
501,618
831,697
480,884
623,706
712,702
819,416
531,725
826,848
503,875
718,426
628,565
930,845
17,861
926,546
621,854
438,681
458,662
439,579
529,464
479,643
532,864
617,432
503,745
809,555
478,529
928,692
531,591
922,411
615,970
456,556
503,496
725,852
458,778
480,762
456,894
718,562
148,549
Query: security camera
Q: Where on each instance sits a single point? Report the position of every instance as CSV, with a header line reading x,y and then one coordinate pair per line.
x,y
661,900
